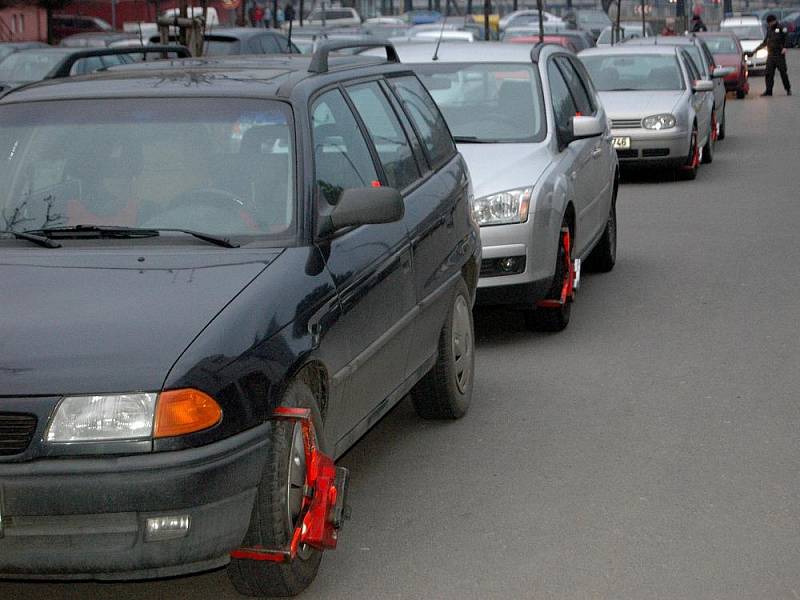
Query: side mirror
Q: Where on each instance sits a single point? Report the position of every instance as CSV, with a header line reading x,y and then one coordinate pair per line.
x,y
720,71
702,85
587,127
367,206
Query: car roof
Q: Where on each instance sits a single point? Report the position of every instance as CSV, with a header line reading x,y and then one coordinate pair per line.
x,y
261,76
666,40
489,52
61,51
627,48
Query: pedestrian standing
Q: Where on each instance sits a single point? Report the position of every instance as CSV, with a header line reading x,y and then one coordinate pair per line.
x,y
258,16
669,27
776,57
697,24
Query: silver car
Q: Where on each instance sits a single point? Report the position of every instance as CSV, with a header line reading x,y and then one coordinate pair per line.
x,y
707,67
536,140
660,107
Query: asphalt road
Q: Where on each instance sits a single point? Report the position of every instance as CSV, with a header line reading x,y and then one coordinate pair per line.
x,y
649,451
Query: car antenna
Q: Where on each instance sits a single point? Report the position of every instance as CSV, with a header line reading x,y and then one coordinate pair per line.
x,y
539,5
439,41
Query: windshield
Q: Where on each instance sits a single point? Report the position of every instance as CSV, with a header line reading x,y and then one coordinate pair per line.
x,y
746,32
721,45
488,102
221,46
28,66
222,167
623,33
632,72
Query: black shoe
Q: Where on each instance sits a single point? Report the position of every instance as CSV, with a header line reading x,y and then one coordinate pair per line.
x,y
766,94
788,92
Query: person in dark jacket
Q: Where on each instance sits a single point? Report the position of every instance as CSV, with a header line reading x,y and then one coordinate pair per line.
x,y
697,24
776,57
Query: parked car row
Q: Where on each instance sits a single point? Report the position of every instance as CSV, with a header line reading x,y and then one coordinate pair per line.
x,y
219,273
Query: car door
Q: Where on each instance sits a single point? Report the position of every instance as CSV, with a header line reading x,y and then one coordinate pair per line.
x,y
371,268
702,102
577,156
600,167
437,213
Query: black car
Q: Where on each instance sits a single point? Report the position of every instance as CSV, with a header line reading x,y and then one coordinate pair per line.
x,y
217,273
232,41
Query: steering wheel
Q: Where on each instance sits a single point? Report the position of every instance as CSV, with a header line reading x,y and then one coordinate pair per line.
x,y
217,199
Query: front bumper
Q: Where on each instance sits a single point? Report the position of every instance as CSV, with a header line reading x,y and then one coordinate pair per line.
x,y
85,517
653,147
756,64
530,242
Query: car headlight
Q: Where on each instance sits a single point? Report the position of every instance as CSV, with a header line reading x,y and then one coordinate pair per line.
x,y
763,53
134,416
658,122
504,207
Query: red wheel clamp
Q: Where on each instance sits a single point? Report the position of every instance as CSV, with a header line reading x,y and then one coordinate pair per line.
x,y
571,281
324,507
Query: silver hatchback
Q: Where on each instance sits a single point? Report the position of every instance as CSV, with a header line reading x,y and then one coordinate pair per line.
x,y
536,139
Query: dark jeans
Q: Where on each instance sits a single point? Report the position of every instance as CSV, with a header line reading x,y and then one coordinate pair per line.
x,y
777,62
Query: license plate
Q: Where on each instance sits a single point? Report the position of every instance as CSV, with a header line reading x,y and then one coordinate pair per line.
x,y
621,143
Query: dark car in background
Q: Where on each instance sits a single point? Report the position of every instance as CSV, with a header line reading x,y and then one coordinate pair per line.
x,y
204,285
241,40
62,26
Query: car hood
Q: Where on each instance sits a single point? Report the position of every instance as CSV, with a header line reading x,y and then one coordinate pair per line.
x,y
80,322
748,45
499,167
635,105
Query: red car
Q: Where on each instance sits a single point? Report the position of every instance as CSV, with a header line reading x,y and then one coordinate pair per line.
x,y
560,40
728,52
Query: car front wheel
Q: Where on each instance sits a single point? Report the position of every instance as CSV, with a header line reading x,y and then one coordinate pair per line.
x,y
276,511
445,391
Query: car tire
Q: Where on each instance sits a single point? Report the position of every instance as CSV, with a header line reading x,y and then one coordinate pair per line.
x,y
740,94
553,319
723,122
276,499
604,255
445,391
708,149
688,171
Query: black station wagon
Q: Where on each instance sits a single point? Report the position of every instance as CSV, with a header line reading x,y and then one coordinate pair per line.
x,y
216,276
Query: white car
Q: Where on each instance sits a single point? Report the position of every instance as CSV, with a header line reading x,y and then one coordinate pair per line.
x,y
334,17
751,32
524,17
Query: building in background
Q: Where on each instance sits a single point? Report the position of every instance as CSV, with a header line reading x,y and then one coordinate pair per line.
x,y
22,23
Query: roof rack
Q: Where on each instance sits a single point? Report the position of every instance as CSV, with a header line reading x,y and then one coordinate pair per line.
x,y
66,67
319,61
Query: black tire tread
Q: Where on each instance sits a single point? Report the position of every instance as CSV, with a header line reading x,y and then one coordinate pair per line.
x,y
433,396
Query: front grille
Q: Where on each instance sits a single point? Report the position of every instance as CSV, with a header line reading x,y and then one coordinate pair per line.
x,y
653,152
627,154
16,431
626,123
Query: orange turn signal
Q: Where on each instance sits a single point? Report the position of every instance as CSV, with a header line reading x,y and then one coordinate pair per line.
x,y
185,411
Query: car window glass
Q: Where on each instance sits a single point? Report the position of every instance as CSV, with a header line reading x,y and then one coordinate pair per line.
x,y
269,44
223,167
387,135
427,119
563,105
579,93
341,156
634,72
86,65
691,67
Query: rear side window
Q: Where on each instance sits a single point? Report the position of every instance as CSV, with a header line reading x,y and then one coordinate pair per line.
x,y
341,156
427,119
580,94
387,135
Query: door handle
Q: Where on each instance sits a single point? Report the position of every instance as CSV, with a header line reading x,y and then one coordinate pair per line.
x,y
597,152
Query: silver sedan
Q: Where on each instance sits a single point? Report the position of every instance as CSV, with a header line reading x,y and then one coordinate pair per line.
x,y
660,107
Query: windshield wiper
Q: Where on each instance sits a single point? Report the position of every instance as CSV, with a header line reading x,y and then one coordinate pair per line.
x,y
117,232
471,139
36,239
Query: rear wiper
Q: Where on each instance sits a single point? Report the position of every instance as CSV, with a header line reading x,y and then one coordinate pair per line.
x,y
36,239
113,231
